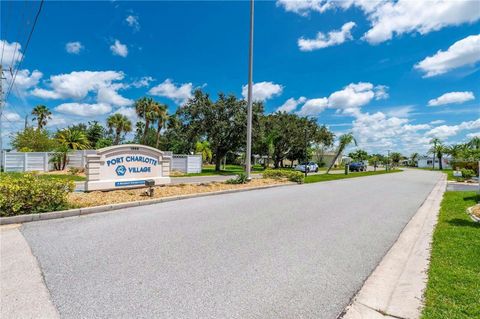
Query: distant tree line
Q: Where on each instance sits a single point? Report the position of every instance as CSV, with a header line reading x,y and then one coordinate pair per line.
x,y
214,128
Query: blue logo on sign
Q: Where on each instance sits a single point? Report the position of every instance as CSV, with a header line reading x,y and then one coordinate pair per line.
x,y
121,170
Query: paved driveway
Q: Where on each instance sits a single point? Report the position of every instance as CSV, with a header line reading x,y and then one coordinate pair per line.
x,y
289,252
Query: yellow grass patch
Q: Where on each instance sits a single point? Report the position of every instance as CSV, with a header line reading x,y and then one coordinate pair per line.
x,y
122,196
476,210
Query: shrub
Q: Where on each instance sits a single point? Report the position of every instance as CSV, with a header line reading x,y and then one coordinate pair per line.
x,y
293,176
471,165
240,179
467,173
74,171
29,194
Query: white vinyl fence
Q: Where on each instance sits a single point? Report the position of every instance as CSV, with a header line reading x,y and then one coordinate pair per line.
x,y
26,161
41,161
187,163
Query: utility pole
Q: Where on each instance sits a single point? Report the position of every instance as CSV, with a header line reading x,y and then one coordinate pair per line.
x,y
306,153
248,156
388,160
26,121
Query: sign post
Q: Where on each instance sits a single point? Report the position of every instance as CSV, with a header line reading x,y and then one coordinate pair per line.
x,y
127,166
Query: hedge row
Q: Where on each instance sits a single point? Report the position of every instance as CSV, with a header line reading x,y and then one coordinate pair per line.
x,y
293,176
28,194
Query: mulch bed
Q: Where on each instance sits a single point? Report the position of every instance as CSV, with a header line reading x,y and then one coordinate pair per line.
x,y
79,199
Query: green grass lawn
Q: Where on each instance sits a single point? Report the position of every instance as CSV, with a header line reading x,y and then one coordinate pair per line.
x,y
228,170
330,177
66,177
453,289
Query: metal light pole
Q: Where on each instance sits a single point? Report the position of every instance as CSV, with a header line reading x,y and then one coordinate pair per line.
x,y
306,152
388,160
248,156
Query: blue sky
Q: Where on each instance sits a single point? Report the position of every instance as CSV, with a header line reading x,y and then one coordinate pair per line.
x,y
395,73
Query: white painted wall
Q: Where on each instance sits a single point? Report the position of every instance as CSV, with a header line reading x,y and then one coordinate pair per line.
x,y
427,163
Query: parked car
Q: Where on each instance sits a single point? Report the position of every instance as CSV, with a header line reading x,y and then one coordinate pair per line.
x,y
357,167
310,166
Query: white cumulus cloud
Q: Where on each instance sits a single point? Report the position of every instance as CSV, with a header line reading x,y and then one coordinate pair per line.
x,y
446,131
462,53
78,84
263,91
74,47
12,116
313,107
323,40
304,7
119,49
132,21
452,98
180,94
396,17
348,101
407,16
11,53
291,104
84,109
24,81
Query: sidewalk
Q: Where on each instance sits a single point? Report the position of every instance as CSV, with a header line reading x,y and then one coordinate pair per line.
x,y
395,288
22,290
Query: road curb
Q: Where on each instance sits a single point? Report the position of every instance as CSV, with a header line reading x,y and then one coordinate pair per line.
x,y
19,219
395,288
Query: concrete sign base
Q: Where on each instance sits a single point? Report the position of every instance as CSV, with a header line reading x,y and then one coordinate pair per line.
x,y
126,166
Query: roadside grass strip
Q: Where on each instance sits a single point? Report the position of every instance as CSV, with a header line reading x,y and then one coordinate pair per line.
x,y
453,289
330,177
209,170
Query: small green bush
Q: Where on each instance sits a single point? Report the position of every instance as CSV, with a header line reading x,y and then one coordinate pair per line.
x,y
240,179
74,171
293,176
467,173
28,194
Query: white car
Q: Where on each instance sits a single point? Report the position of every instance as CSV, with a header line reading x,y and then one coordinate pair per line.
x,y
310,166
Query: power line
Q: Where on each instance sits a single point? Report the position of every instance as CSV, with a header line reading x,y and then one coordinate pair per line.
x,y
25,50
7,20
18,36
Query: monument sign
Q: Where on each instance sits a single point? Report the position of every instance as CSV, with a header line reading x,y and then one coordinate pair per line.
x,y
126,166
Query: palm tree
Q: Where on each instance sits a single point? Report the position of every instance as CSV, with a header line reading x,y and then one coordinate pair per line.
x,y
438,149
41,114
120,124
68,139
73,139
374,160
144,107
434,141
161,117
414,159
396,158
474,143
204,149
343,141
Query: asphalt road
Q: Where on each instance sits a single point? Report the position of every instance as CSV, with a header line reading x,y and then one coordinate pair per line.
x,y
289,252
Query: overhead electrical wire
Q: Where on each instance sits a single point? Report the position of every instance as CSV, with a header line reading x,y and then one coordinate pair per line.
x,y
25,50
